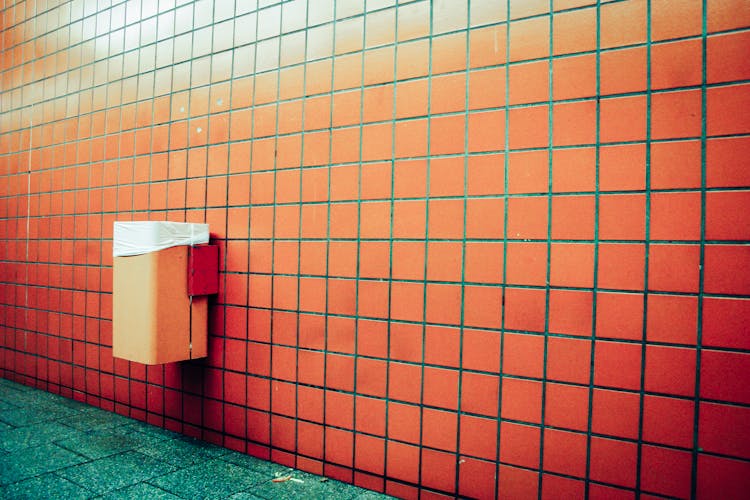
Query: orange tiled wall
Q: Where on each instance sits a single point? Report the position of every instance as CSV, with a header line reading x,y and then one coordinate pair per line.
x,y
479,249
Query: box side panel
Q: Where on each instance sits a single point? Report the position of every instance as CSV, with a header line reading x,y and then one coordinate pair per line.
x,y
134,303
173,306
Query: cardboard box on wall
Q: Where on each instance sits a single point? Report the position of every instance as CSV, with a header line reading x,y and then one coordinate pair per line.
x,y
154,319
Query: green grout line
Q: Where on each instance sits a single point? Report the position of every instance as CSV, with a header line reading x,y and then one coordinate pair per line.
x,y
504,285
327,238
117,204
647,244
557,194
359,237
425,268
548,270
28,231
168,211
463,198
149,211
455,240
273,230
299,251
595,285
85,284
388,320
702,270
462,318
597,202
185,216
250,239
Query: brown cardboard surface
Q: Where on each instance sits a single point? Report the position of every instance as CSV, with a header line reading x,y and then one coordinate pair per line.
x,y
152,321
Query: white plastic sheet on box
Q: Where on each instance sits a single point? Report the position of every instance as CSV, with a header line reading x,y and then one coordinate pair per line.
x,y
136,238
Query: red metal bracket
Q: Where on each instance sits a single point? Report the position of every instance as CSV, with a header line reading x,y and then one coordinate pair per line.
x,y
203,270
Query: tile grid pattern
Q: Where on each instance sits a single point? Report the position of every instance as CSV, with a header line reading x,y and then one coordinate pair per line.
x,y
424,285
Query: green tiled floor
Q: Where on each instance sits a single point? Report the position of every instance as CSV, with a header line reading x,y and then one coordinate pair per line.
x,y
53,447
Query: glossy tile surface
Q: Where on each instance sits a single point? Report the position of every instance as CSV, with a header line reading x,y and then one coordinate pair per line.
x,y
495,248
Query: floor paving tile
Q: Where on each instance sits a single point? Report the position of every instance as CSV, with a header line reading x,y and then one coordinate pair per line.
x,y
150,430
302,485
105,442
139,492
94,418
21,417
32,462
6,405
46,486
35,397
72,404
10,398
7,385
182,452
269,469
244,495
33,435
371,495
115,472
212,479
